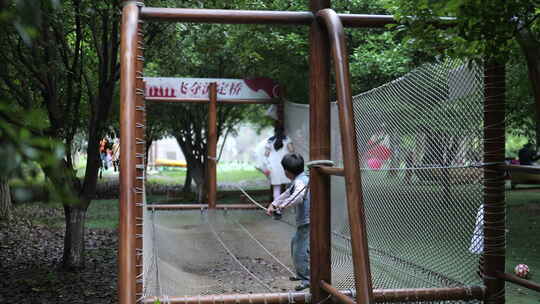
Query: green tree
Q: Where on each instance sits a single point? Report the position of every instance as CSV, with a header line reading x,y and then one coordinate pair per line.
x,y
48,75
481,29
377,56
69,73
23,142
244,51
23,145
205,53
520,104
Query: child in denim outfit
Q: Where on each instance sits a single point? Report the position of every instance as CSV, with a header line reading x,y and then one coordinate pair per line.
x,y
296,195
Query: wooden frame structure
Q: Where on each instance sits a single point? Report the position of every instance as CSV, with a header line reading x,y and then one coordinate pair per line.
x,y
327,41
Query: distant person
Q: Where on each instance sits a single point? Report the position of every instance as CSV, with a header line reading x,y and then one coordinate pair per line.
x,y
103,144
116,154
508,161
109,157
410,159
276,147
527,155
296,195
477,240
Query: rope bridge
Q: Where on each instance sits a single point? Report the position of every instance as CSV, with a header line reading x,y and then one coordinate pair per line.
x,y
216,252
420,145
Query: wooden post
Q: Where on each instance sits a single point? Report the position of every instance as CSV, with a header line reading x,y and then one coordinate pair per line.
x,y
494,203
319,134
140,159
212,147
127,226
351,165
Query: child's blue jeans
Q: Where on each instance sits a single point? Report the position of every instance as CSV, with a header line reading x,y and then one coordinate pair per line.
x,y
300,252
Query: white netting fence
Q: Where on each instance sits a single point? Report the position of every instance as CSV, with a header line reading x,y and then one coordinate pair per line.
x,y
420,150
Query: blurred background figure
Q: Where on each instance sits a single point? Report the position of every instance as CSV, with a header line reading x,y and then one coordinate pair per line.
x,y
527,155
276,147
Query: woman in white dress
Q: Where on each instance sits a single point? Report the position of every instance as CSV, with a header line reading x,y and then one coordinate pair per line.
x,y
276,147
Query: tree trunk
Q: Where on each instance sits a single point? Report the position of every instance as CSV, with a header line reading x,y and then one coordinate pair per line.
x,y
531,49
433,155
188,181
93,161
147,147
75,210
196,167
198,174
5,199
74,238
395,158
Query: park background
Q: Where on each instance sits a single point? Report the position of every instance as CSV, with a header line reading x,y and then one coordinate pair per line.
x,y
59,97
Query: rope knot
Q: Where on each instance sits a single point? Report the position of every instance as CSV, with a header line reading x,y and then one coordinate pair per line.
x,y
320,163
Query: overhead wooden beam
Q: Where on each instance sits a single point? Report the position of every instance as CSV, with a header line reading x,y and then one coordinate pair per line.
x,y
226,16
223,16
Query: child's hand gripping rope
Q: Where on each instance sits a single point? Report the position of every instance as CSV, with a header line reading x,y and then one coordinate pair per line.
x,y
271,210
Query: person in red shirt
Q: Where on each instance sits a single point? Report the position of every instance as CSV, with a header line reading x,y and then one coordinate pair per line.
x,y
103,152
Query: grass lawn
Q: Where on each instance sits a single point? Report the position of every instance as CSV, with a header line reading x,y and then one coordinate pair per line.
x,y
177,176
102,214
523,241
224,176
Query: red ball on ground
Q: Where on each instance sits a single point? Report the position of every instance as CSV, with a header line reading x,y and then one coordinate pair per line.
x,y
522,271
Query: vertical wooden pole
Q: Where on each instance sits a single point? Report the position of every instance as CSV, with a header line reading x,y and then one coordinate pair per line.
x,y
319,134
212,147
351,165
140,160
127,225
494,202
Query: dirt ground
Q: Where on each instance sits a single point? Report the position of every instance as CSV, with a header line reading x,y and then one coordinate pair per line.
x,y
29,258
30,255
